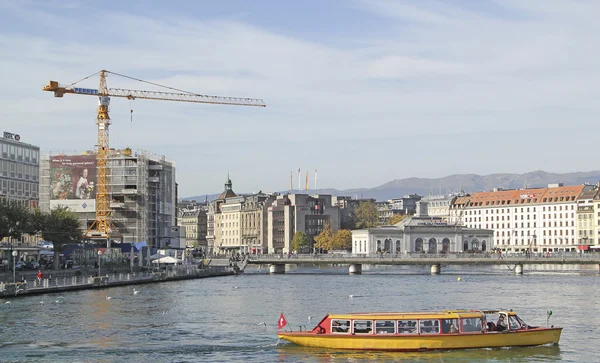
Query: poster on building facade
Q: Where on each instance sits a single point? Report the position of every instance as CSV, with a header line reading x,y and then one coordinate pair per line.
x,y
73,182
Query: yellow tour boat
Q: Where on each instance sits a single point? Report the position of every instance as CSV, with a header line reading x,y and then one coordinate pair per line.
x,y
423,331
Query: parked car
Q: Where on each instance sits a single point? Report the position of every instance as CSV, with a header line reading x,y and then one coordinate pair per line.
x,y
32,265
67,264
20,266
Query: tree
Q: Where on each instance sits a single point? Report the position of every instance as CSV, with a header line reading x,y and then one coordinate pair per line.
x,y
60,227
367,215
300,240
396,218
342,240
15,219
325,239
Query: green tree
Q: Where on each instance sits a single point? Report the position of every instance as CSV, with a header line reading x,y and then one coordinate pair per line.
x,y
300,240
325,239
342,240
15,219
366,215
60,227
396,218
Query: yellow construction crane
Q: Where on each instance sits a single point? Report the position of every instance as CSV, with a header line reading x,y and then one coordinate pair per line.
x,y
102,227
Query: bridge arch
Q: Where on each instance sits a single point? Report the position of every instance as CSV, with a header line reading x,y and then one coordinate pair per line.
x,y
419,245
432,245
445,245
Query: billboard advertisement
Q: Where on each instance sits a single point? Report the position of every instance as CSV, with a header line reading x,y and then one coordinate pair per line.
x,y
73,182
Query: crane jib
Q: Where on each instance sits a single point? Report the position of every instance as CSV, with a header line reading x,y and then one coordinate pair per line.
x,y
86,91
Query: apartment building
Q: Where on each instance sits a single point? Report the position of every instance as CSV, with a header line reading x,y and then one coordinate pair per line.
x,y
537,219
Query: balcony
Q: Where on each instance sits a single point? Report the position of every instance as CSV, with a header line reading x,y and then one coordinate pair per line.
x,y
117,205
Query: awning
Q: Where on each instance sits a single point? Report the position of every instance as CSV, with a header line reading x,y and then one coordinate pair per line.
x,y
583,247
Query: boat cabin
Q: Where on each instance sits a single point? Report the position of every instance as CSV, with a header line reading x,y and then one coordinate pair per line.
x,y
444,322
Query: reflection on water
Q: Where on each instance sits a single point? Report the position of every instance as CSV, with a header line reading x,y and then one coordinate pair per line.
x,y
233,319
295,353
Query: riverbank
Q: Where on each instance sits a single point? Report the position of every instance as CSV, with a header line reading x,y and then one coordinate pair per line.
x,y
68,281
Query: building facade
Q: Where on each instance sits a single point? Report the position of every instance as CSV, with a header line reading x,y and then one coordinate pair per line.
x,y
537,219
237,223
421,234
19,170
291,213
194,222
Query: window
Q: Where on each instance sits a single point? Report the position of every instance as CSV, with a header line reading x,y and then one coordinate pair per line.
x,y
449,326
407,327
363,327
430,326
384,327
340,326
471,325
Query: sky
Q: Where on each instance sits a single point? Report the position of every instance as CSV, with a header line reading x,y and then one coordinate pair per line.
x,y
364,91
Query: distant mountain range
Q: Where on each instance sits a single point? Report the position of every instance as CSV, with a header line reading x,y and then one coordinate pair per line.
x,y
454,183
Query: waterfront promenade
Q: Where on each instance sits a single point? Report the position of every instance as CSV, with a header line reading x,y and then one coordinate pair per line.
x,y
72,280
515,262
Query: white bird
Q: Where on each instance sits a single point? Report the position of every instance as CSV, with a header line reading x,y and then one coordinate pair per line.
x,y
8,302
135,292
350,296
108,297
59,300
262,323
309,318
42,302
235,287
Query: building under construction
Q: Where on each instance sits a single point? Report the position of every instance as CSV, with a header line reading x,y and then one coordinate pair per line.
x,y
142,192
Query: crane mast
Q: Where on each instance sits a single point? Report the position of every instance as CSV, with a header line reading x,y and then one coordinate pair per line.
x,y
102,227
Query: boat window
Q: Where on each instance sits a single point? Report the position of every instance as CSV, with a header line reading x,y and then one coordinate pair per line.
x,y
340,326
384,327
449,326
407,327
430,326
470,325
513,323
363,326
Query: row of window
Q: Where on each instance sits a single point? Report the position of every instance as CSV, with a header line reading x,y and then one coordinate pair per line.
x,y
523,210
20,153
523,201
407,327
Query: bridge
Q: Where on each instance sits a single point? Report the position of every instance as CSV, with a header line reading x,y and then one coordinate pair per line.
x,y
277,263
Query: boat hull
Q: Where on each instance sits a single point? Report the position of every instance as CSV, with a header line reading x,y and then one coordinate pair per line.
x,y
530,337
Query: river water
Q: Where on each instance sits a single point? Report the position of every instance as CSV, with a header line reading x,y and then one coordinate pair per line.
x,y
221,319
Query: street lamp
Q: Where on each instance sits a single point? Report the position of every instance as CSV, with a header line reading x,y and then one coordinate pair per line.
x,y
99,254
14,254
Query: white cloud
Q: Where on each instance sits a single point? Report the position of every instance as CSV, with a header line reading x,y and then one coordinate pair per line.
x,y
433,69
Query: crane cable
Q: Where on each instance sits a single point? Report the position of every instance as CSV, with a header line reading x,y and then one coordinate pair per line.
x,y
158,85
83,79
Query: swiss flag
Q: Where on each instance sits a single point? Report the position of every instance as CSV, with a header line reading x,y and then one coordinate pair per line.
x,y
281,322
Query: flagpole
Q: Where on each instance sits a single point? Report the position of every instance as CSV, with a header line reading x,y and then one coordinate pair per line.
x,y
315,180
299,182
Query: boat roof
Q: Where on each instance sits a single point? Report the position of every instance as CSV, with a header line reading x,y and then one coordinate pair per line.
x,y
443,314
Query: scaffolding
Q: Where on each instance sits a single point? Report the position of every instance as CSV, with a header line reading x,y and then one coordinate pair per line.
x,y
141,187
